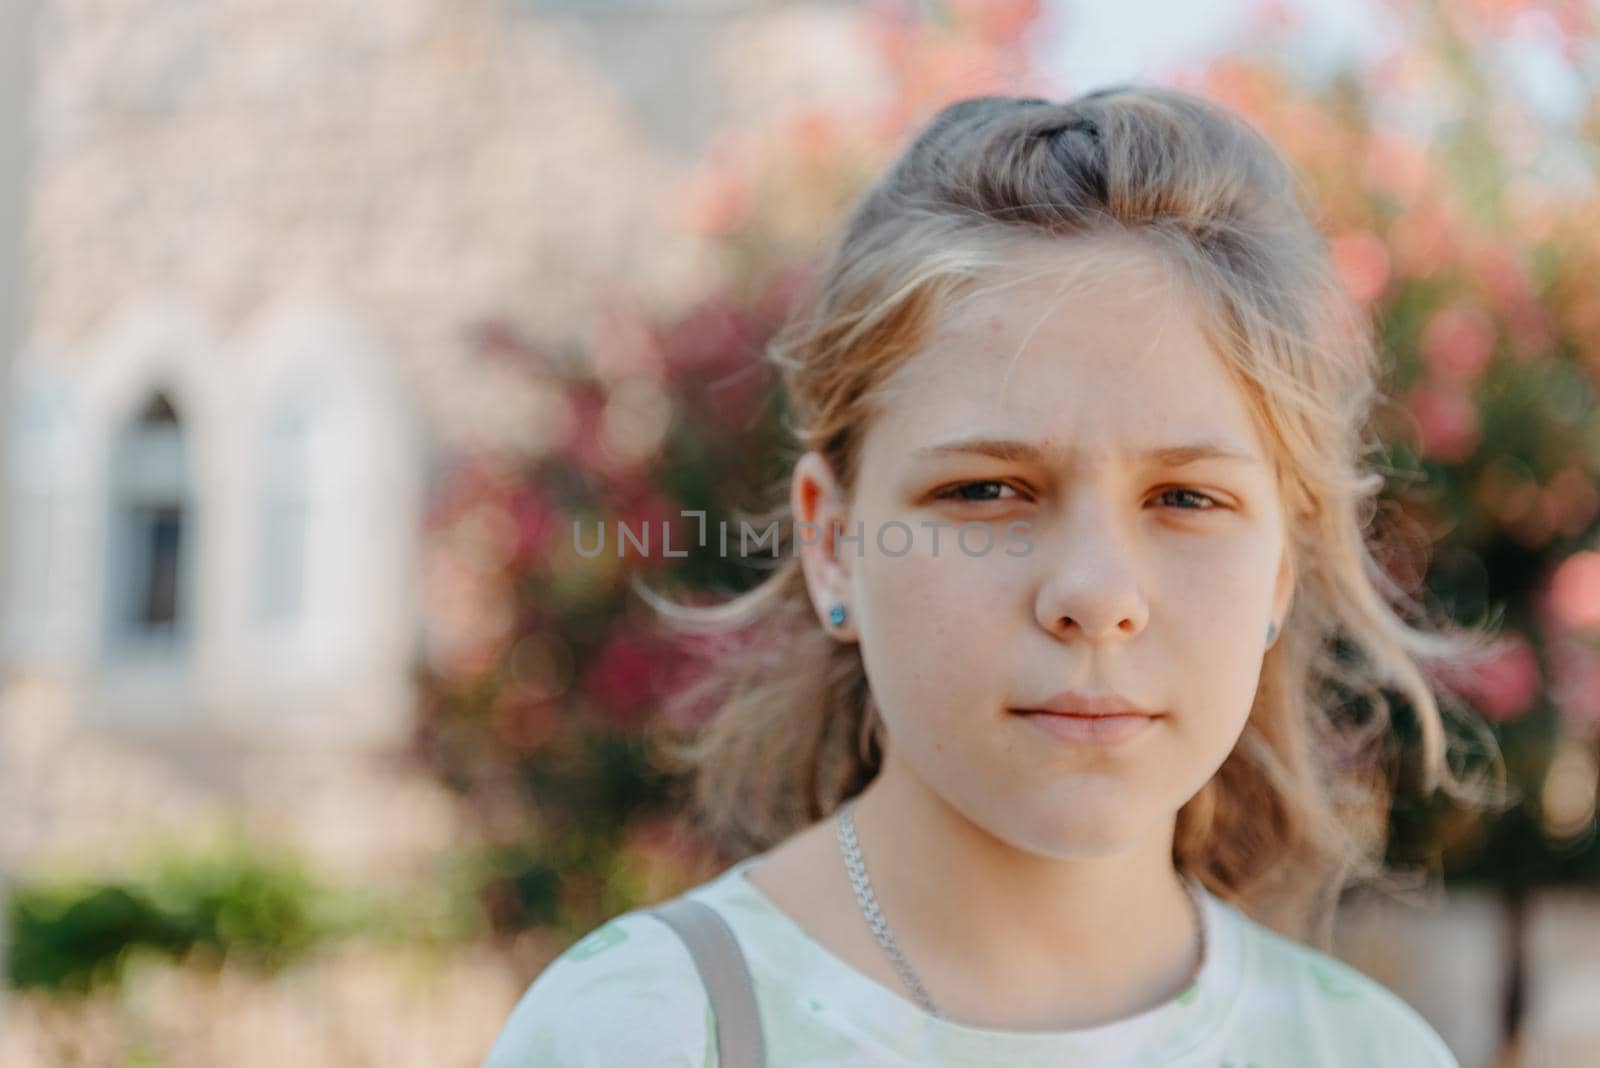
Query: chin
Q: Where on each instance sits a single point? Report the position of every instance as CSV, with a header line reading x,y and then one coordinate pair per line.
x,y
1081,832
1092,846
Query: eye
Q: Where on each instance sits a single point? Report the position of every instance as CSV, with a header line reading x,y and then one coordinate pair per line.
x,y
989,490
1211,502
959,493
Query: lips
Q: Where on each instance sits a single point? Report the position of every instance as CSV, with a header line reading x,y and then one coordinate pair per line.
x,y
1083,715
1103,729
1097,718
1083,705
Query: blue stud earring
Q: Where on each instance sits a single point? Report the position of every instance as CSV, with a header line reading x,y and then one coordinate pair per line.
x,y
1272,631
836,614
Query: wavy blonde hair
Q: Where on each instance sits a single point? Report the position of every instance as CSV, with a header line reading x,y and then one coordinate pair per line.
x,y
786,726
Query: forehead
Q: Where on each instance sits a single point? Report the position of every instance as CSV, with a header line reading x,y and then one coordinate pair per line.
x,y
1099,344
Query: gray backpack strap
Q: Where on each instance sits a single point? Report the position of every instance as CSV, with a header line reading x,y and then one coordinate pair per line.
x,y
722,968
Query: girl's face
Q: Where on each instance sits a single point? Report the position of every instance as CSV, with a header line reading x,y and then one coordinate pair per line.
x,y
1150,575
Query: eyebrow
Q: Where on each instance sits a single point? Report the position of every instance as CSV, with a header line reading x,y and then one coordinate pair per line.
x,y
1177,455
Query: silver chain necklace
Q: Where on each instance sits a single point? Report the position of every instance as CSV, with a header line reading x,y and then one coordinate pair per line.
x,y
844,825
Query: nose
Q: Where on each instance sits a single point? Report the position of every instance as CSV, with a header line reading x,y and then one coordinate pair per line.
x,y
1090,583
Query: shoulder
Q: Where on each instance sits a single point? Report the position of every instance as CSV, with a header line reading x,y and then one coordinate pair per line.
x,y
626,993
1340,1010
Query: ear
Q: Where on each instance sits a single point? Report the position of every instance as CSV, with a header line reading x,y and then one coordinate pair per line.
x,y
820,510
1283,590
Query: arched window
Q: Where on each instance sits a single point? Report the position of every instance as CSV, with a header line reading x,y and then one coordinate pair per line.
x,y
285,509
37,452
151,529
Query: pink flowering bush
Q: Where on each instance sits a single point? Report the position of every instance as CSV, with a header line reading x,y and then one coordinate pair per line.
x,y
1477,275
1476,271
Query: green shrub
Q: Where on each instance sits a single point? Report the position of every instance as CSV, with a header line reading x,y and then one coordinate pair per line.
x,y
73,934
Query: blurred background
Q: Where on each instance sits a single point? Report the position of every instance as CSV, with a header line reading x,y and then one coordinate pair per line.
x,y
323,322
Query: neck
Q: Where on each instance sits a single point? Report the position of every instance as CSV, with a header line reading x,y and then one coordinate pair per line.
x,y
1006,937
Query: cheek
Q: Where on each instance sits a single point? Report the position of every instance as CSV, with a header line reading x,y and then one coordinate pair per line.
x,y
1221,588
926,627
1216,611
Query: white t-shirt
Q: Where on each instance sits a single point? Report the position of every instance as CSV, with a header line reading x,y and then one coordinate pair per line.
x,y
628,994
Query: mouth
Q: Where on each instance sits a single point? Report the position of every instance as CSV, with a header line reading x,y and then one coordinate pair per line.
x,y
1091,728
1084,705
1083,715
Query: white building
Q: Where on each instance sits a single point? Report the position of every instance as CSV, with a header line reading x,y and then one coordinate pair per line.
x,y
215,532
260,237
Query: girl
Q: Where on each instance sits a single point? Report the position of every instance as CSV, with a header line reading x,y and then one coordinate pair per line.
x,y
1071,767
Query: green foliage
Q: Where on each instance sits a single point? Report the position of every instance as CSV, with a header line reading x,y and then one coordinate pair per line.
x,y
71,938
73,934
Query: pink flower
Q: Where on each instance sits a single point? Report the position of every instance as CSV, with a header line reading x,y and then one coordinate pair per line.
x,y
814,134
782,291
1504,686
714,333
631,677
1502,274
538,523
656,524
1531,330
1423,241
1575,684
996,21
1574,499
621,344
716,198
1447,421
1396,166
1574,594
1362,261
1457,343
622,675
582,445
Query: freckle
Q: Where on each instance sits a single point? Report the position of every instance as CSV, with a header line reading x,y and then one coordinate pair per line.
x,y
938,746
994,326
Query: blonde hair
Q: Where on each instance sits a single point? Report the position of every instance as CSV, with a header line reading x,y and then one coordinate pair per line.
x,y
1298,811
